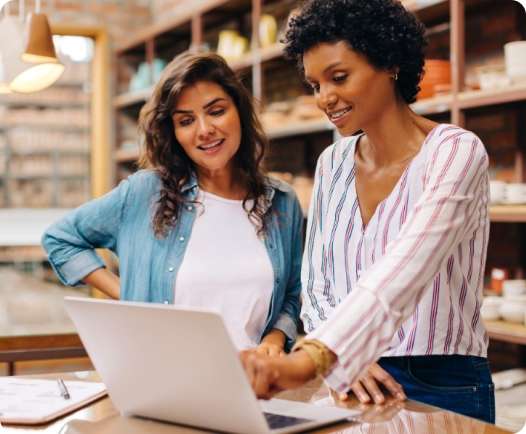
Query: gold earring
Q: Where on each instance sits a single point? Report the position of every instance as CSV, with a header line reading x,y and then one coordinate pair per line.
x,y
395,76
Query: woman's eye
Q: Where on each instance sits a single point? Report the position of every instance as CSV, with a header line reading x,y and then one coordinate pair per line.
x,y
217,112
339,78
185,122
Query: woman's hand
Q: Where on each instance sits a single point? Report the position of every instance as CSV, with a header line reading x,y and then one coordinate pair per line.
x,y
367,386
270,375
272,344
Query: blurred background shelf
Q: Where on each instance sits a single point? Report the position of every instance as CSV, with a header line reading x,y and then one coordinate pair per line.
x,y
508,213
506,331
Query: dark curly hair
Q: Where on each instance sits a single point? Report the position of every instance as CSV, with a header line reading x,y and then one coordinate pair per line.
x,y
162,152
383,31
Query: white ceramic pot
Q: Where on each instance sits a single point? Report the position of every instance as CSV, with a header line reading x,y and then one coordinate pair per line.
x,y
513,287
513,308
497,191
490,308
515,58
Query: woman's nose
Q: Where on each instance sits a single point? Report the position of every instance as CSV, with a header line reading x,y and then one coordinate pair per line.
x,y
206,128
326,97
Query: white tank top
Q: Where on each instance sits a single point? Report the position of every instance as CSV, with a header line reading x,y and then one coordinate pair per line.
x,y
226,268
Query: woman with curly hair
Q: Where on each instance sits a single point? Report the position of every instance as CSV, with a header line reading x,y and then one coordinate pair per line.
x,y
398,225
200,225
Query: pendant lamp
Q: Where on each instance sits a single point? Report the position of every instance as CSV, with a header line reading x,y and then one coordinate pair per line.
x,y
44,68
3,3
11,48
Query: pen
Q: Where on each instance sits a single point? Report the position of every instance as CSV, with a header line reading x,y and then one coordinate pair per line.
x,y
63,389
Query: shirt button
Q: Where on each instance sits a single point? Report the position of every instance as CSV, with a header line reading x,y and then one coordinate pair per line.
x,y
165,301
189,207
277,280
181,239
171,269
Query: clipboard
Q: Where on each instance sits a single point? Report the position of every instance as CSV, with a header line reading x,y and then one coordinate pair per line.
x,y
25,401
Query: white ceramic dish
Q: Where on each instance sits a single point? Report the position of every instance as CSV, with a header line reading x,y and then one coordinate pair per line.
x,y
513,308
490,308
513,287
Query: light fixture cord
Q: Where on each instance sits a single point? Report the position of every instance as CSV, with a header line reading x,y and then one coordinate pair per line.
x,y
21,10
37,7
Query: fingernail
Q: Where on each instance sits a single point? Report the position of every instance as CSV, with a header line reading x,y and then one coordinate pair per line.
x,y
379,399
400,395
364,398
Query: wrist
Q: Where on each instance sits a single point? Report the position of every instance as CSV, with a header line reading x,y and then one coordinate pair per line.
x,y
274,337
320,355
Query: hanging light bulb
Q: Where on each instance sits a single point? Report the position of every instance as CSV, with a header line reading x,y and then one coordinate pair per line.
x,y
44,68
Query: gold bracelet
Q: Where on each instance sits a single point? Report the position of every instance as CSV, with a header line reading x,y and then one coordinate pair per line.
x,y
318,352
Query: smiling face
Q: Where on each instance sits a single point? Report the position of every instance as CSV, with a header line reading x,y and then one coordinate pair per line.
x,y
207,125
350,91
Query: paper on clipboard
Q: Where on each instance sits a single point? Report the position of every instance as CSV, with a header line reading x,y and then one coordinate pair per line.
x,y
35,401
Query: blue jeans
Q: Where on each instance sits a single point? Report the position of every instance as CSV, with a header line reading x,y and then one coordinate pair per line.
x,y
458,383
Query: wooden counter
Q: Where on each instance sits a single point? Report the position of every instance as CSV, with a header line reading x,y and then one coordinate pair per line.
x,y
395,417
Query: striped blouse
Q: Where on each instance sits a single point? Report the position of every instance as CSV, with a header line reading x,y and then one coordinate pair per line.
x,y
410,281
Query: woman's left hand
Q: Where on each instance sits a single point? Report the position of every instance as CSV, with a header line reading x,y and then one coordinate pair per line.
x,y
272,344
269,349
368,386
270,375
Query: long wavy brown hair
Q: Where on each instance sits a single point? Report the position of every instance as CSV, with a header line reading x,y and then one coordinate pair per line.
x,y
162,152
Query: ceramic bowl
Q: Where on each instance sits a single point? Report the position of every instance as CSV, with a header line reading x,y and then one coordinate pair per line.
x,y
490,308
497,191
513,287
513,309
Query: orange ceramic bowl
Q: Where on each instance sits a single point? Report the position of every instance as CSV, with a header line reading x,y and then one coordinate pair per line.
x,y
436,73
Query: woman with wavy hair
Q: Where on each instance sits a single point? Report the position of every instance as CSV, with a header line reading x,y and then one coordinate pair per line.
x,y
200,225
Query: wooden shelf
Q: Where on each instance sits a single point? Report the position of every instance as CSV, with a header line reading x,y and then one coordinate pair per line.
x,y
299,128
482,98
132,98
183,17
127,155
259,56
46,127
437,104
508,213
506,331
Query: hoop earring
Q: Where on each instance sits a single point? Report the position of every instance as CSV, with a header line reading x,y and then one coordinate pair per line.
x,y
395,76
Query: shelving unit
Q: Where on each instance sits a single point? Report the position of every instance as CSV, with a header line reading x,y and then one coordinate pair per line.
x,y
506,331
45,144
449,22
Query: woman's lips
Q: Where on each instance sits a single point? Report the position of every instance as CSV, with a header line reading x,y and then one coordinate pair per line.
x,y
339,117
212,147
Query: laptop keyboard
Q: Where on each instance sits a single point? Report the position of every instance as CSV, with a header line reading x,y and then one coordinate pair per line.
x,y
277,421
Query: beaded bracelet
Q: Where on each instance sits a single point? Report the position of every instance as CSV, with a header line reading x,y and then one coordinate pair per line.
x,y
318,352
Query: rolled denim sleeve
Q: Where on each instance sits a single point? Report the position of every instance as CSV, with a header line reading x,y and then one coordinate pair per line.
x,y
289,316
71,242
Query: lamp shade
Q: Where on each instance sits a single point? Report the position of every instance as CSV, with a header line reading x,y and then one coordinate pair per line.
x,y
39,48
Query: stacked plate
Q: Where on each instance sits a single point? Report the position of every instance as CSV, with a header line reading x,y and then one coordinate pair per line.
x,y
515,55
513,306
507,194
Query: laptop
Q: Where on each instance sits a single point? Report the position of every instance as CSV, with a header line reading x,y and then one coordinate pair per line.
x,y
179,365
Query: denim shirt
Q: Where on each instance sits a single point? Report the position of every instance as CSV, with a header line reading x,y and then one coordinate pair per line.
x,y
121,221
